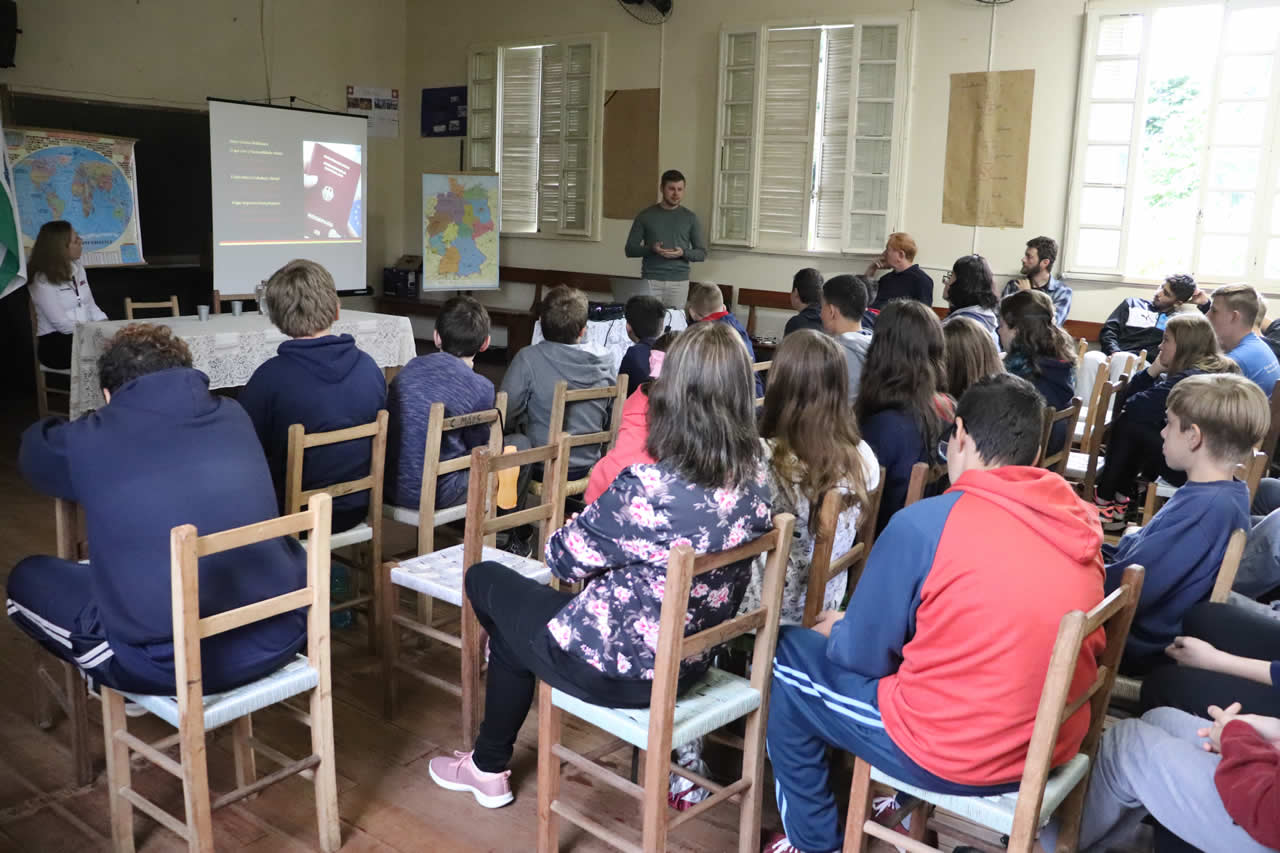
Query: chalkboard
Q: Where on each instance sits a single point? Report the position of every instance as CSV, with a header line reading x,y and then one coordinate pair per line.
x,y
174,204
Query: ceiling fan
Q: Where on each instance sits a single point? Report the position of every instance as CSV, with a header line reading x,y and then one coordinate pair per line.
x,y
647,11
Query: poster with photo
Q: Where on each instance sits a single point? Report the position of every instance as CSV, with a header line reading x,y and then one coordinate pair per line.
x,y
380,106
444,111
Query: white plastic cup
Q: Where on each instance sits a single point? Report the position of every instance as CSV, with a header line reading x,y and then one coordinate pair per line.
x,y
203,311
237,306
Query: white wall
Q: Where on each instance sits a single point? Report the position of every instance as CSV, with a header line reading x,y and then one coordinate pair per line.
x,y
951,36
178,52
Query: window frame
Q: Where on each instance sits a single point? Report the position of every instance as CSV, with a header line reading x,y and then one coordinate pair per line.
x,y
899,150
1267,189
595,139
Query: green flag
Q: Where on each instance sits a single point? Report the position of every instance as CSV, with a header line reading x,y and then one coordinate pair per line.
x,y
13,262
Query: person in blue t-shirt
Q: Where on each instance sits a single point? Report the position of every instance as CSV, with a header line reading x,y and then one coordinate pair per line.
x,y
1233,313
1215,420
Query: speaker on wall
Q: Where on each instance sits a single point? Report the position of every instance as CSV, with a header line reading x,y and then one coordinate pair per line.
x,y
8,32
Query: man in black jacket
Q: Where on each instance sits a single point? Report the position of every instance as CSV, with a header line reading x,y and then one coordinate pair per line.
x,y
1138,324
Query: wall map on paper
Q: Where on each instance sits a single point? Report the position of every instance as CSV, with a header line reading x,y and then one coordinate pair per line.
x,y
459,231
988,137
88,180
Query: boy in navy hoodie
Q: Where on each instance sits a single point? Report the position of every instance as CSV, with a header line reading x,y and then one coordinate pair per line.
x,y
318,379
646,318
1215,420
706,304
162,452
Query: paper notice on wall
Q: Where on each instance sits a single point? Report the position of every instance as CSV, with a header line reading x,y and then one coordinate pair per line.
x,y
988,137
380,106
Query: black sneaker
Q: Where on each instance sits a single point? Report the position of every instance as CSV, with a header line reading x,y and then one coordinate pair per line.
x,y
521,546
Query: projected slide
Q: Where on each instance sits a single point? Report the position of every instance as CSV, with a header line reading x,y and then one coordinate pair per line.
x,y
287,183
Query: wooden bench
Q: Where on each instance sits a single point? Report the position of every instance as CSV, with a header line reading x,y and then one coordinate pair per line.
x,y
519,322
753,298
1075,328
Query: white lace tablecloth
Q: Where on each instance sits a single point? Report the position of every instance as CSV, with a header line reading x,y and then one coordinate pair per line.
x,y
228,348
610,336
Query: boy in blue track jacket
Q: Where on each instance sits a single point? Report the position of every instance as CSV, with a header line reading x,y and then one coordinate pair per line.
x,y
163,452
934,673
1215,420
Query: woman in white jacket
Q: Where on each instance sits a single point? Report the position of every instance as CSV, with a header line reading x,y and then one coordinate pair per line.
x,y
60,292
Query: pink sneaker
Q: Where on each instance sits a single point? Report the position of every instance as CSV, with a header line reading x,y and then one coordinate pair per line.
x,y
491,790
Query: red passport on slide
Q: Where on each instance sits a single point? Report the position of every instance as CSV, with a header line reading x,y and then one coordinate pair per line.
x,y
328,200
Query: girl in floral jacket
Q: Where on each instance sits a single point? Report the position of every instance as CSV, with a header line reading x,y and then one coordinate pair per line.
x,y
708,489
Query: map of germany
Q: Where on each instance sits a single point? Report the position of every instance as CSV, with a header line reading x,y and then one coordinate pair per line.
x,y
460,232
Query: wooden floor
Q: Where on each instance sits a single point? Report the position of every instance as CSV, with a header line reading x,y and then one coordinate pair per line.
x,y
386,799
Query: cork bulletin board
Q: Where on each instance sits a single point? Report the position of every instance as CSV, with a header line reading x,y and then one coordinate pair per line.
x,y
630,151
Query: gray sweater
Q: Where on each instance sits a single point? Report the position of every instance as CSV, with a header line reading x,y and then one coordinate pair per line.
x,y
854,345
674,229
530,384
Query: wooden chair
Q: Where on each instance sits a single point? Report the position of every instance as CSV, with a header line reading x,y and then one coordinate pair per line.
x,y
1044,790
1160,490
669,721
1090,415
756,369
1273,431
442,574
42,384
923,477
193,713
433,468
70,696
564,398
369,530
170,304
1082,466
1071,415
218,298
1130,689
822,568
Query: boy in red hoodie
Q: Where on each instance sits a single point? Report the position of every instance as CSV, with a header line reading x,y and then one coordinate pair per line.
x,y
934,673
1219,794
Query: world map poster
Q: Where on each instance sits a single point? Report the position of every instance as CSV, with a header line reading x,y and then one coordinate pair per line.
x,y
459,231
88,180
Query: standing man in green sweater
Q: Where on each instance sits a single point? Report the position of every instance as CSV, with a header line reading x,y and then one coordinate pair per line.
x,y
667,237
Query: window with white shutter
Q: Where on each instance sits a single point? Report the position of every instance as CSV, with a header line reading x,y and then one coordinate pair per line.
x,y
736,156
809,136
1177,165
521,104
539,125
786,139
832,169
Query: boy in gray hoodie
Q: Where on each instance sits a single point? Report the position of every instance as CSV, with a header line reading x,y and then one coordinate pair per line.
x,y
844,300
531,380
